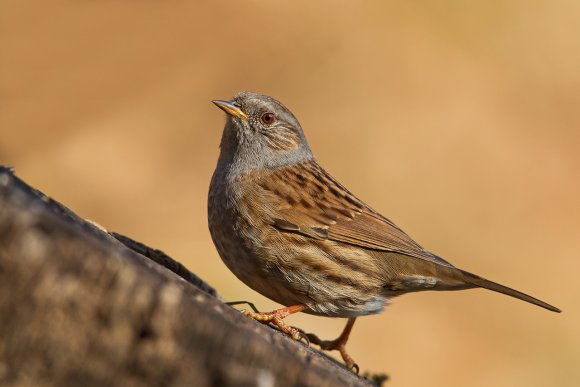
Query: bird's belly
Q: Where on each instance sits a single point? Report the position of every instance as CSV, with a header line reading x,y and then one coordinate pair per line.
x,y
291,275
258,274
254,270
291,269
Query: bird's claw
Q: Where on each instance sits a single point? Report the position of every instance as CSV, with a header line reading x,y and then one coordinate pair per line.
x,y
301,336
275,320
354,368
339,345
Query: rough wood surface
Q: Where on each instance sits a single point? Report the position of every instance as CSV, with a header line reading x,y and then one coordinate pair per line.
x,y
80,308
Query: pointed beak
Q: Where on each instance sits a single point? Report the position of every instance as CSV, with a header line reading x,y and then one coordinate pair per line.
x,y
231,108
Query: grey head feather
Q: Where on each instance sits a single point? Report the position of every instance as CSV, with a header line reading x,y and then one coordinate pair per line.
x,y
248,145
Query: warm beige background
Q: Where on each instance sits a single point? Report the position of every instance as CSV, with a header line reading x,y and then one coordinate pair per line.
x,y
459,120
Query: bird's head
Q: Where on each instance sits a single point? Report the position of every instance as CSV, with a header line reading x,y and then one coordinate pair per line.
x,y
261,132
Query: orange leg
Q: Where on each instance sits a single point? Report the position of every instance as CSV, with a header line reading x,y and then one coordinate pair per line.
x,y
338,344
275,317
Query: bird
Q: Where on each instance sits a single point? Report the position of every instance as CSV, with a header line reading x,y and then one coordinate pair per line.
x,y
290,231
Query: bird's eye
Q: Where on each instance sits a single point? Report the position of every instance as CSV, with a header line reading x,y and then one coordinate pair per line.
x,y
268,118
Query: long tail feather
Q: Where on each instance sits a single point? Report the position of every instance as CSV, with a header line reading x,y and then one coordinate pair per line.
x,y
487,284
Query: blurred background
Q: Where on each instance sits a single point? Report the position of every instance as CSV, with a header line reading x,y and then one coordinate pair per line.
x,y
458,120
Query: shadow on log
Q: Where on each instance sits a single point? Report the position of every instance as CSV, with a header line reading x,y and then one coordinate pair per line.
x,y
83,307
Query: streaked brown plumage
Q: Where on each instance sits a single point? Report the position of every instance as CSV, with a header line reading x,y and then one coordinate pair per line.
x,y
290,231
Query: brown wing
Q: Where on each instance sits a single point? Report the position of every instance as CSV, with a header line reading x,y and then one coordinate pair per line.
x,y
313,204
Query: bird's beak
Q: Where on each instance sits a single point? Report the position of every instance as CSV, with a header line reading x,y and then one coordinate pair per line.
x,y
233,109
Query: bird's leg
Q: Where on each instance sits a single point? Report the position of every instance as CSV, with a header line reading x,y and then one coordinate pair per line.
x,y
338,344
275,317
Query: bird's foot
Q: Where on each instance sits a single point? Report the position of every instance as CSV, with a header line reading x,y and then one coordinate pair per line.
x,y
275,317
338,345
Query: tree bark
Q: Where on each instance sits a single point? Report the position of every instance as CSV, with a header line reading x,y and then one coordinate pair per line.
x,y
83,307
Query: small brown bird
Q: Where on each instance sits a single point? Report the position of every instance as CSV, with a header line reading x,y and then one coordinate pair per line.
x,y
290,231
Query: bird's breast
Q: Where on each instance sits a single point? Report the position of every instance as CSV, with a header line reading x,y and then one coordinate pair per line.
x,y
234,224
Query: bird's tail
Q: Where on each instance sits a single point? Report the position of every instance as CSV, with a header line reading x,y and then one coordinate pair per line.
x,y
487,284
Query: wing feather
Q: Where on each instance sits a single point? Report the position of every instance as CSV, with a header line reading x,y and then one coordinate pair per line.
x,y
315,205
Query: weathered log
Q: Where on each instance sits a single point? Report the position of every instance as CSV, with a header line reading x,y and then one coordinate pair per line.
x,y
82,307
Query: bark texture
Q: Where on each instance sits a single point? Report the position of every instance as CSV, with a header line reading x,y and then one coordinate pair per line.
x,y
83,307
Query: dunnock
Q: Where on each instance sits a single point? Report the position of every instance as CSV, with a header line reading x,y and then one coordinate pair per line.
x,y
290,231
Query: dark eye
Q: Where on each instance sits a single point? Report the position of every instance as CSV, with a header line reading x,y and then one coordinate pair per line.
x,y
268,118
